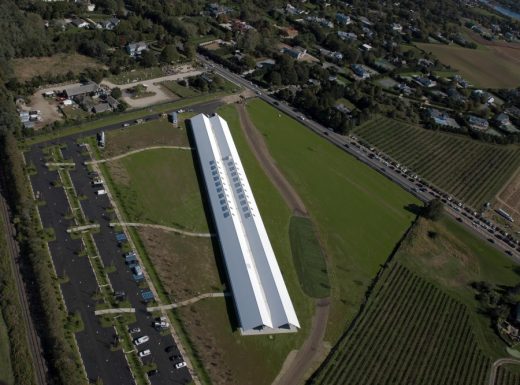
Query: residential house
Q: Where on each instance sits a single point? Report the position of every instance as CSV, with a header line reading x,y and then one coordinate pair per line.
x,y
79,23
425,82
441,118
101,107
217,9
343,19
136,49
360,71
296,53
513,112
485,96
455,95
109,24
502,121
347,36
342,108
365,47
321,21
81,89
477,123
365,22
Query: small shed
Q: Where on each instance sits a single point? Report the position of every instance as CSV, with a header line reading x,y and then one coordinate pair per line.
x,y
173,118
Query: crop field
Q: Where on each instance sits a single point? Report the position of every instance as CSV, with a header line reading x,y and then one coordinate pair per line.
x,y
472,171
488,66
359,215
409,333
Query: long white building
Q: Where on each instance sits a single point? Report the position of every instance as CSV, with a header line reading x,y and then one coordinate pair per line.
x,y
261,299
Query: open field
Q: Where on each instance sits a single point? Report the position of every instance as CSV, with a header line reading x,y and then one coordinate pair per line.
x,y
177,258
308,258
59,64
177,89
136,75
410,332
160,187
508,198
155,133
359,215
6,372
488,66
476,172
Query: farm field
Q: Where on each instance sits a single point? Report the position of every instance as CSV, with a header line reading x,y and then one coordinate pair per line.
x,y
488,66
59,64
410,332
188,266
359,215
476,172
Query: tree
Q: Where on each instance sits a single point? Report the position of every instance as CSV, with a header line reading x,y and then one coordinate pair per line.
x,y
116,93
433,210
169,54
148,59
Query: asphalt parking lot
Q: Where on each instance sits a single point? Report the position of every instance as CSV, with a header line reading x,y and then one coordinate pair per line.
x,y
95,341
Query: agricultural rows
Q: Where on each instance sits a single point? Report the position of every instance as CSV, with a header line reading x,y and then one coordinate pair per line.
x,y
409,333
471,171
505,377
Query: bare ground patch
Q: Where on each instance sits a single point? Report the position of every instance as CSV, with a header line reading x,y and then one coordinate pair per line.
x,y
186,265
508,198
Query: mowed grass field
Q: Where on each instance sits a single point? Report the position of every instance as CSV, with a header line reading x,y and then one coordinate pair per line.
x,y
59,64
421,324
155,133
160,187
188,266
470,170
359,214
487,66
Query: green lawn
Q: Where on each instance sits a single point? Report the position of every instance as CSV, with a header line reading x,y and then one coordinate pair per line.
x,y
160,187
359,214
6,371
308,258
177,89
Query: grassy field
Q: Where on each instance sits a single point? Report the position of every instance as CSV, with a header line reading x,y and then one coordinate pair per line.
x,y
176,258
476,170
6,372
360,215
493,67
421,324
177,89
59,64
308,258
160,186
156,133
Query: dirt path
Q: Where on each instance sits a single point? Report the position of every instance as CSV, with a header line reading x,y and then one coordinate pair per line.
x,y
187,301
299,363
135,152
497,364
161,227
257,144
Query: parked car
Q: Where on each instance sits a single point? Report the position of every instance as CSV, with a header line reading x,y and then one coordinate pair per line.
x,y
145,353
141,340
134,330
180,365
152,372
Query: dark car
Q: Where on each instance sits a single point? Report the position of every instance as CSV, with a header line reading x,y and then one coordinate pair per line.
x,y
152,372
169,349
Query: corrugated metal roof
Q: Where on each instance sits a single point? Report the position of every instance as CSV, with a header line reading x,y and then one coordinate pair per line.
x,y
260,295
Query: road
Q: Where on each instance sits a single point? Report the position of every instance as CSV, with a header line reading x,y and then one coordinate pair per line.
x,y
381,163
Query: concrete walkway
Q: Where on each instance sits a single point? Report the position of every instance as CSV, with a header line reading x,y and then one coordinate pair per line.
x,y
137,151
57,164
187,302
82,228
161,227
115,311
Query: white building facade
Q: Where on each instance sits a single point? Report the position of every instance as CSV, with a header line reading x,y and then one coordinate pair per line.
x,y
260,296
